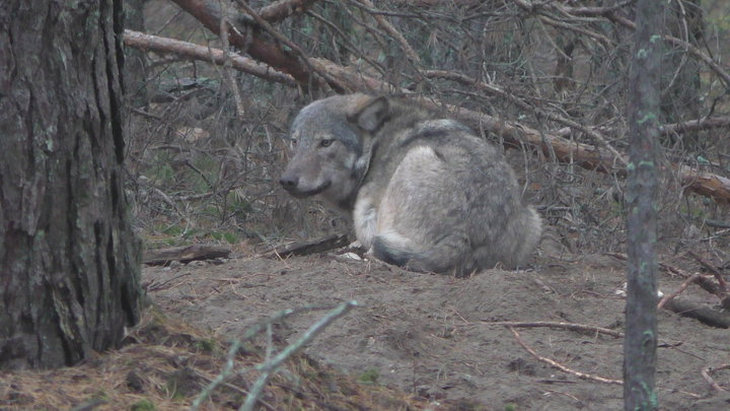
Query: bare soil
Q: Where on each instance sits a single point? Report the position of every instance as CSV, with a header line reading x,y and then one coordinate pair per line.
x,y
434,336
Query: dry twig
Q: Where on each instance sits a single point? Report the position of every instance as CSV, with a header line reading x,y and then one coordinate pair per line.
x,y
560,325
706,375
561,367
681,288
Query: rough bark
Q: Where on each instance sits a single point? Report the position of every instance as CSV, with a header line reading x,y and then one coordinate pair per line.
x,y
69,260
643,113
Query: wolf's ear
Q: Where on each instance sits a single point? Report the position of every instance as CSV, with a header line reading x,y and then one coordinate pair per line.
x,y
372,114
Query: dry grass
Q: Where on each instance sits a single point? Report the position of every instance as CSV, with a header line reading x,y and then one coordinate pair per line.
x,y
166,363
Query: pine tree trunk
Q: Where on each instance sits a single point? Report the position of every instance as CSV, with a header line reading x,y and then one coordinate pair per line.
x,y
69,260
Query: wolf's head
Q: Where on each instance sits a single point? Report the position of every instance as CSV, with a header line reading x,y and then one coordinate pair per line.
x,y
333,139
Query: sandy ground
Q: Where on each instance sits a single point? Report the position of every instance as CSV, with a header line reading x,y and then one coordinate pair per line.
x,y
433,335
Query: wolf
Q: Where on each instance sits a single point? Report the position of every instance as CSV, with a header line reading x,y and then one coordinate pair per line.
x,y
425,193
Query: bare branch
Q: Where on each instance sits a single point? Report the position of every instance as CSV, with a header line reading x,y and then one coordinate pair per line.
x,y
561,325
282,9
385,24
695,125
209,14
679,290
203,53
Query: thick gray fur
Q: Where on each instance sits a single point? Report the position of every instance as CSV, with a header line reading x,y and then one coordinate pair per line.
x,y
425,193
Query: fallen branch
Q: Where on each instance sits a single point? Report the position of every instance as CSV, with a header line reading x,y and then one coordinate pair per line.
x,y
705,282
311,247
688,126
695,125
718,275
185,254
388,28
561,367
559,325
679,290
272,54
703,314
706,375
282,9
204,53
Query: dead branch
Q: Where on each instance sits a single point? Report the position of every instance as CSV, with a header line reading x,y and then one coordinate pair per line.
x,y
281,39
695,125
282,9
706,375
272,54
586,329
185,254
705,282
709,267
561,367
688,126
311,247
385,24
701,313
204,53
679,290
224,24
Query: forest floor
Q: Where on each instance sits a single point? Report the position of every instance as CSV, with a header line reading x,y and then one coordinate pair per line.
x,y
442,339
415,341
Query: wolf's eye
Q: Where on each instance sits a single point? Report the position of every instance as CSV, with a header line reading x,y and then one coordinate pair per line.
x,y
326,142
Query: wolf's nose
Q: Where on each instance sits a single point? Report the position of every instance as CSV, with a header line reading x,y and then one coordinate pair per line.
x,y
289,183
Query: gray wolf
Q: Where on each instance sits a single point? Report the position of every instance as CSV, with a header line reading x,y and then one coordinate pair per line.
x,y
425,193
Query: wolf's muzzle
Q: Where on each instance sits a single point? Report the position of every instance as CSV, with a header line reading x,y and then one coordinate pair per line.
x,y
291,185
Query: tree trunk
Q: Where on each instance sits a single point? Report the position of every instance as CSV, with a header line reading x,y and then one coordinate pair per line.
x,y
69,260
643,113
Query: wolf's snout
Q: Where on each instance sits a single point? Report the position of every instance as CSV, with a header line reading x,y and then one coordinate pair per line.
x,y
289,182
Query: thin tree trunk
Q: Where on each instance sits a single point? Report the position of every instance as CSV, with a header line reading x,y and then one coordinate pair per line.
x,y
69,260
135,61
641,332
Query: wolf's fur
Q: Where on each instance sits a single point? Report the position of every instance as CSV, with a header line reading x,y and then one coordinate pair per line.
x,y
425,193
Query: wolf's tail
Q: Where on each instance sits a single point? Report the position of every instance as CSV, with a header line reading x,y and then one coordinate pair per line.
x,y
527,229
447,256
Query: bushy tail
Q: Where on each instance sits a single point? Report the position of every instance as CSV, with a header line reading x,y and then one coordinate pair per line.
x,y
447,256
528,231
